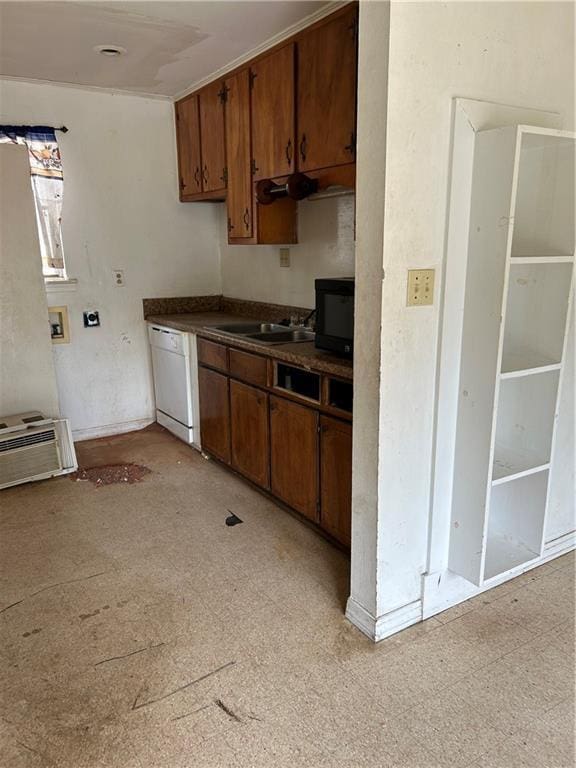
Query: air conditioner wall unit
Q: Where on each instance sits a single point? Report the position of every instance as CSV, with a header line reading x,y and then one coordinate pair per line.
x,y
34,448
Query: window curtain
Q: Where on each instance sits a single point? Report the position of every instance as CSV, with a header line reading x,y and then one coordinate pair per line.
x,y
47,185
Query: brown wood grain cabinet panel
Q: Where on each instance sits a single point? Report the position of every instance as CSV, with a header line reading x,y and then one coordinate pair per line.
x,y
326,90
273,114
294,455
212,354
250,452
212,137
214,413
240,224
248,367
188,141
336,478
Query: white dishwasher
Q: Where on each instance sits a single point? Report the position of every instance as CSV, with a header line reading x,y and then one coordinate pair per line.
x,y
175,367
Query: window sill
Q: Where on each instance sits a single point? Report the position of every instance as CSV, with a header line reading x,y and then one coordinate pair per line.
x,y
60,286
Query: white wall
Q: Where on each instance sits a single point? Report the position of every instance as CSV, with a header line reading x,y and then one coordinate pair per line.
x,y
27,377
325,249
121,211
515,53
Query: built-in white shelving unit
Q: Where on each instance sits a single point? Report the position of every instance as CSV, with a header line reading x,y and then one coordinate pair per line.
x,y
519,284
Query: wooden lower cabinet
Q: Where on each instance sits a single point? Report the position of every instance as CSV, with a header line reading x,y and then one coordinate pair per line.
x,y
214,413
336,478
294,455
249,431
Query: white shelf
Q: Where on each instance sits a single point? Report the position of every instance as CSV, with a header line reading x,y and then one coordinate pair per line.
x,y
504,554
510,464
515,523
536,309
513,338
541,259
526,363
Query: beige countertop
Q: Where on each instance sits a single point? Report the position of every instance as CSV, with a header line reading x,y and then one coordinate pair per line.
x,y
303,354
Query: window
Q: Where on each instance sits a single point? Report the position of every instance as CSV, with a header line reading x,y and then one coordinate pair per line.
x,y
47,186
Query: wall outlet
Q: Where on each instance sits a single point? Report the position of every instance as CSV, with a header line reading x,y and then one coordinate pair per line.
x,y
420,287
91,318
284,257
119,277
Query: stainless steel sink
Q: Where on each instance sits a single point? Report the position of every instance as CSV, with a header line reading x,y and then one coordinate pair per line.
x,y
265,333
245,329
286,337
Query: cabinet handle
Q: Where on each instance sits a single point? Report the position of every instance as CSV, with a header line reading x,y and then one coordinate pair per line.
x,y
352,146
182,184
246,218
289,152
303,147
197,176
205,174
230,225
273,406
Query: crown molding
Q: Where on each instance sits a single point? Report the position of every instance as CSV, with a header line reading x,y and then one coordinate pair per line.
x,y
92,88
330,7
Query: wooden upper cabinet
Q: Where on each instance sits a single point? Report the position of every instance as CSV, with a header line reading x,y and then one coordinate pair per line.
x,y
211,108
336,478
273,114
188,142
326,90
240,225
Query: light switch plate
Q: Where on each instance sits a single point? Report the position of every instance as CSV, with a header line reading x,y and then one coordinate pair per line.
x,y
420,287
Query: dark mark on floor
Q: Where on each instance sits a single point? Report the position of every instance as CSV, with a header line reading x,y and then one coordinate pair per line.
x,y
135,705
70,581
84,616
32,632
231,714
126,655
11,605
233,519
189,714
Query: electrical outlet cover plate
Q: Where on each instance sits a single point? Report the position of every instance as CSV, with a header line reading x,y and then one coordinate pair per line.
x,y
91,318
420,287
284,257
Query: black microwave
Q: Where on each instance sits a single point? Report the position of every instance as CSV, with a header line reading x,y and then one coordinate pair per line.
x,y
335,315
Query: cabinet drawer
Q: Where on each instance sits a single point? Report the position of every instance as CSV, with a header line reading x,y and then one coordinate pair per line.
x,y
248,367
213,355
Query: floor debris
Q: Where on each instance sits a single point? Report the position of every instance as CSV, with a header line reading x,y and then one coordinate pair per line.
x,y
111,474
233,519
126,655
231,714
137,705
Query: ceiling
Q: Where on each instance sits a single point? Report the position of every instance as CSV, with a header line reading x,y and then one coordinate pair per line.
x,y
169,45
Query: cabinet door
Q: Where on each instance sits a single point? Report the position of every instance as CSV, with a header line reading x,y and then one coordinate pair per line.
x,y
214,413
294,455
327,94
250,452
212,138
336,478
188,141
272,99
238,156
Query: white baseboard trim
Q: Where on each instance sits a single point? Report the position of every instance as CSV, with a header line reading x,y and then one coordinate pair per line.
x,y
107,430
559,546
383,626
